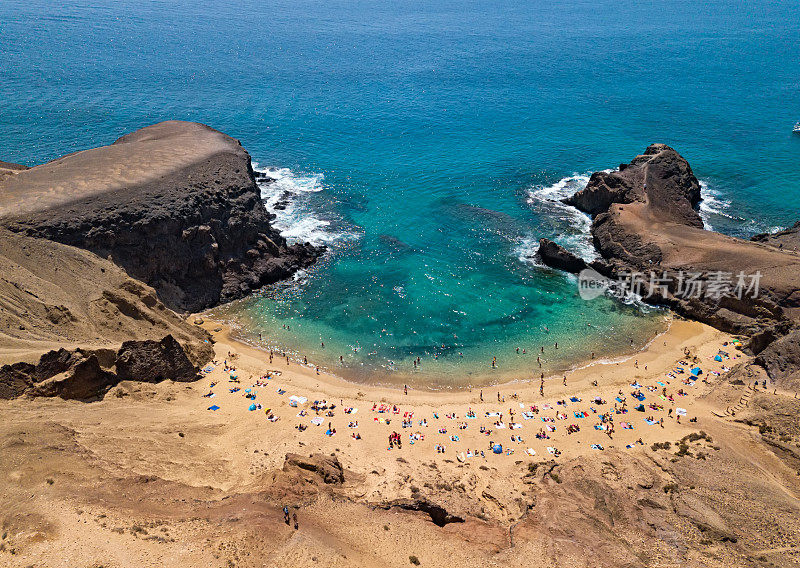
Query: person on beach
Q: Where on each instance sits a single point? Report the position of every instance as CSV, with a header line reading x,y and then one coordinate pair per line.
x,y
286,515
294,519
405,389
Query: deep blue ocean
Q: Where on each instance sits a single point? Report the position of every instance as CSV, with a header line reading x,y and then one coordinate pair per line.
x,y
425,144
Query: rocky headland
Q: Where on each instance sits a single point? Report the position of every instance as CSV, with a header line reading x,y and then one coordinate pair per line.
x,y
645,220
175,204
101,250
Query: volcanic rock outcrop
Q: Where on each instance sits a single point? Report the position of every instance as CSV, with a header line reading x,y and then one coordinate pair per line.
x,y
175,204
645,221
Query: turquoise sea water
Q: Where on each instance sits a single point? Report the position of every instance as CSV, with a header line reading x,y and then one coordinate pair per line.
x,y
424,142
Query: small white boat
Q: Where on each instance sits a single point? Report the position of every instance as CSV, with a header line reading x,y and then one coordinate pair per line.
x,y
796,127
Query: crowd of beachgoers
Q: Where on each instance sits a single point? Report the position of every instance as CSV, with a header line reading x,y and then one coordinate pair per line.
x,y
503,427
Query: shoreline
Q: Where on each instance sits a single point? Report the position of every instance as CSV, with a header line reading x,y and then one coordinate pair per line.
x,y
678,331
398,379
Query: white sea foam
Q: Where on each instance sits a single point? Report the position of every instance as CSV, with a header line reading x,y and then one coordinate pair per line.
x,y
713,205
715,209
285,194
526,251
570,225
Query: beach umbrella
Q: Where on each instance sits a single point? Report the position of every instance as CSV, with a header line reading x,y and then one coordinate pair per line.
x,y
497,448
718,358
213,407
697,371
252,407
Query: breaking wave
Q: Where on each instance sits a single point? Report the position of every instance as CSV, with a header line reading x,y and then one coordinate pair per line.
x,y
570,227
287,195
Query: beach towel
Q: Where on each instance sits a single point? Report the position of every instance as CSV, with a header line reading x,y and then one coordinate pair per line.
x,y
650,422
680,411
596,447
574,399
551,449
527,415
281,391
317,421
213,407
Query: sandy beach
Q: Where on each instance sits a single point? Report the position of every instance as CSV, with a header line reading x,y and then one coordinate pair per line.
x,y
648,368
164,470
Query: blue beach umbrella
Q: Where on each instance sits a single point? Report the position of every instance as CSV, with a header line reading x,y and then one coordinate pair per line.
x,y
497,448
697,371
252,407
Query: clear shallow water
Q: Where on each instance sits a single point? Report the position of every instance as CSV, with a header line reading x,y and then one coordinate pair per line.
x,y
422,142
